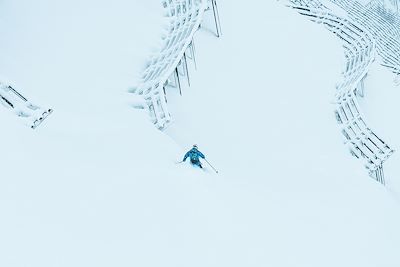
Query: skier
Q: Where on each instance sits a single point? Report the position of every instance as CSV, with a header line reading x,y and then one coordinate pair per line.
x,y
194,154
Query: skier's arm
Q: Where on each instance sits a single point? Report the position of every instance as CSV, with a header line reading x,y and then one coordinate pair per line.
x,y
201,155
186,156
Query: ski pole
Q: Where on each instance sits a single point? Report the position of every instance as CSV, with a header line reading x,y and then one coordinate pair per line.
x,y
179,162
211,166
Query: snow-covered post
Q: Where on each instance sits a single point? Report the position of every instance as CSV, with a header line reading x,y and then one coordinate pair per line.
x,y
178,81
186,68
216,17
192,54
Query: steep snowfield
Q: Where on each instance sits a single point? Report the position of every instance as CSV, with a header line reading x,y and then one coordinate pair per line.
x,y
97,184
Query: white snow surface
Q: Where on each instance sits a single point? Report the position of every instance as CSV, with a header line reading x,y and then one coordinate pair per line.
x,y
98,185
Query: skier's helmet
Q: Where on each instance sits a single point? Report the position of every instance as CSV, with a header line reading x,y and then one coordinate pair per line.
x,y
195,146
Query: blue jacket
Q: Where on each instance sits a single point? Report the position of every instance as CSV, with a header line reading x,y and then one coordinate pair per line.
x,y
194,155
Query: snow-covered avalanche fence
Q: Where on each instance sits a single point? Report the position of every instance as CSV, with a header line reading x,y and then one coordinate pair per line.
x,y
360,48
10,98
185,17
382,24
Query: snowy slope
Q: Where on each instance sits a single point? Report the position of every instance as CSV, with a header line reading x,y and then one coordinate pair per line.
x,y
97,184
